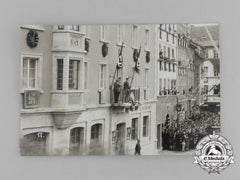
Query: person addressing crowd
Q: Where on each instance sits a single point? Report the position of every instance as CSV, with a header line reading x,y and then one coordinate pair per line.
x,y
117,90
126,88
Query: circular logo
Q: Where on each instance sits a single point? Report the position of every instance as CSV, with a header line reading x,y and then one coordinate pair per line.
x,y
213,153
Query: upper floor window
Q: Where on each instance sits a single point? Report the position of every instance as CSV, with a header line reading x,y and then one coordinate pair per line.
x,y
164,51
73,77
147,38
160,31
61,27
85,74
120,34
59,74
75,27
103,76
134,36
169,53
103,32
173,54
147,78
30,76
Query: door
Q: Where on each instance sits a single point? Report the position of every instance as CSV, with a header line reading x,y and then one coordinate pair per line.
x,y
121,129
159,136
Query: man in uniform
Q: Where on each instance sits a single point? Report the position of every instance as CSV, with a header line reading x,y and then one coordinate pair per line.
x,y
117,90
126,88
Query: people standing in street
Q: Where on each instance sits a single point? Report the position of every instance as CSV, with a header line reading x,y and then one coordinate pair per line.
x,y
138,148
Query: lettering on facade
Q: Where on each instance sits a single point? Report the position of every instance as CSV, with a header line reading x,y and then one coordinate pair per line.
x,y
143,108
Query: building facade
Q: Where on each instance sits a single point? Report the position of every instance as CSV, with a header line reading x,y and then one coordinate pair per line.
x,y
208,38
67,78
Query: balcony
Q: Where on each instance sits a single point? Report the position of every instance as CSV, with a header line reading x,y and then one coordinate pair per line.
x,y
212,99
125,100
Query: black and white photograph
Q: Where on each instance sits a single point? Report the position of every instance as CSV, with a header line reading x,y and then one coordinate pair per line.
x,y
118,89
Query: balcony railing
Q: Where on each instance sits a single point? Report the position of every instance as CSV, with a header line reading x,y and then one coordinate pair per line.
x,y
212,99
125,98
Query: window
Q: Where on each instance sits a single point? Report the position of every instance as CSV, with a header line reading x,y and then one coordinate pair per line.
x,y
134,134
120,35
173,54
174,67
169,53
210,53
85,74
161,65
73,74
147,78
35,144
96,133
169,67
167,37
61,27
160,50
75,27
173,39
76,140
135,36
103,32
160,31
103,76
135,81
147,38
164,51
160,86
145,126
165,66
30,73
59,74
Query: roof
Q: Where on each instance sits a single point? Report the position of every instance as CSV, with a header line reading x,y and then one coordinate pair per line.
x,y
200,36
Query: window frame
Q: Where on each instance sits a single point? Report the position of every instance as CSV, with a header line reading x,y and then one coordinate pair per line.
x,y
145,128
38,83
101,62
135,35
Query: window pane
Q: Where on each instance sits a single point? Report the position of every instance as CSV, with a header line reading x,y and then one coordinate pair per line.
x,y
59,74
73,74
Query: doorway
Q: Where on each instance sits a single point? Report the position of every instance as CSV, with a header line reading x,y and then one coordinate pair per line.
x,y
159,136
121,129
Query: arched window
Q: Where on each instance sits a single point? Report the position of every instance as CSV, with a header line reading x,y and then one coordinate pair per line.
x,y
96,140
35,144
76,140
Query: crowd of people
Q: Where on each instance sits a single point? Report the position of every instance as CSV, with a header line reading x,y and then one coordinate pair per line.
x,y
184,135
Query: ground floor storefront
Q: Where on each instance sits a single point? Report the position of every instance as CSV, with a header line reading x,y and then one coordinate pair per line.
x,y
96,131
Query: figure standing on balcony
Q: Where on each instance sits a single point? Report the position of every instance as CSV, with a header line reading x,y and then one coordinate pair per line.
x,y
126,88
117,90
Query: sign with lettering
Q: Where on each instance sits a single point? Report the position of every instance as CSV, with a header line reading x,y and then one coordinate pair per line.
x,y
31,99
147,107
